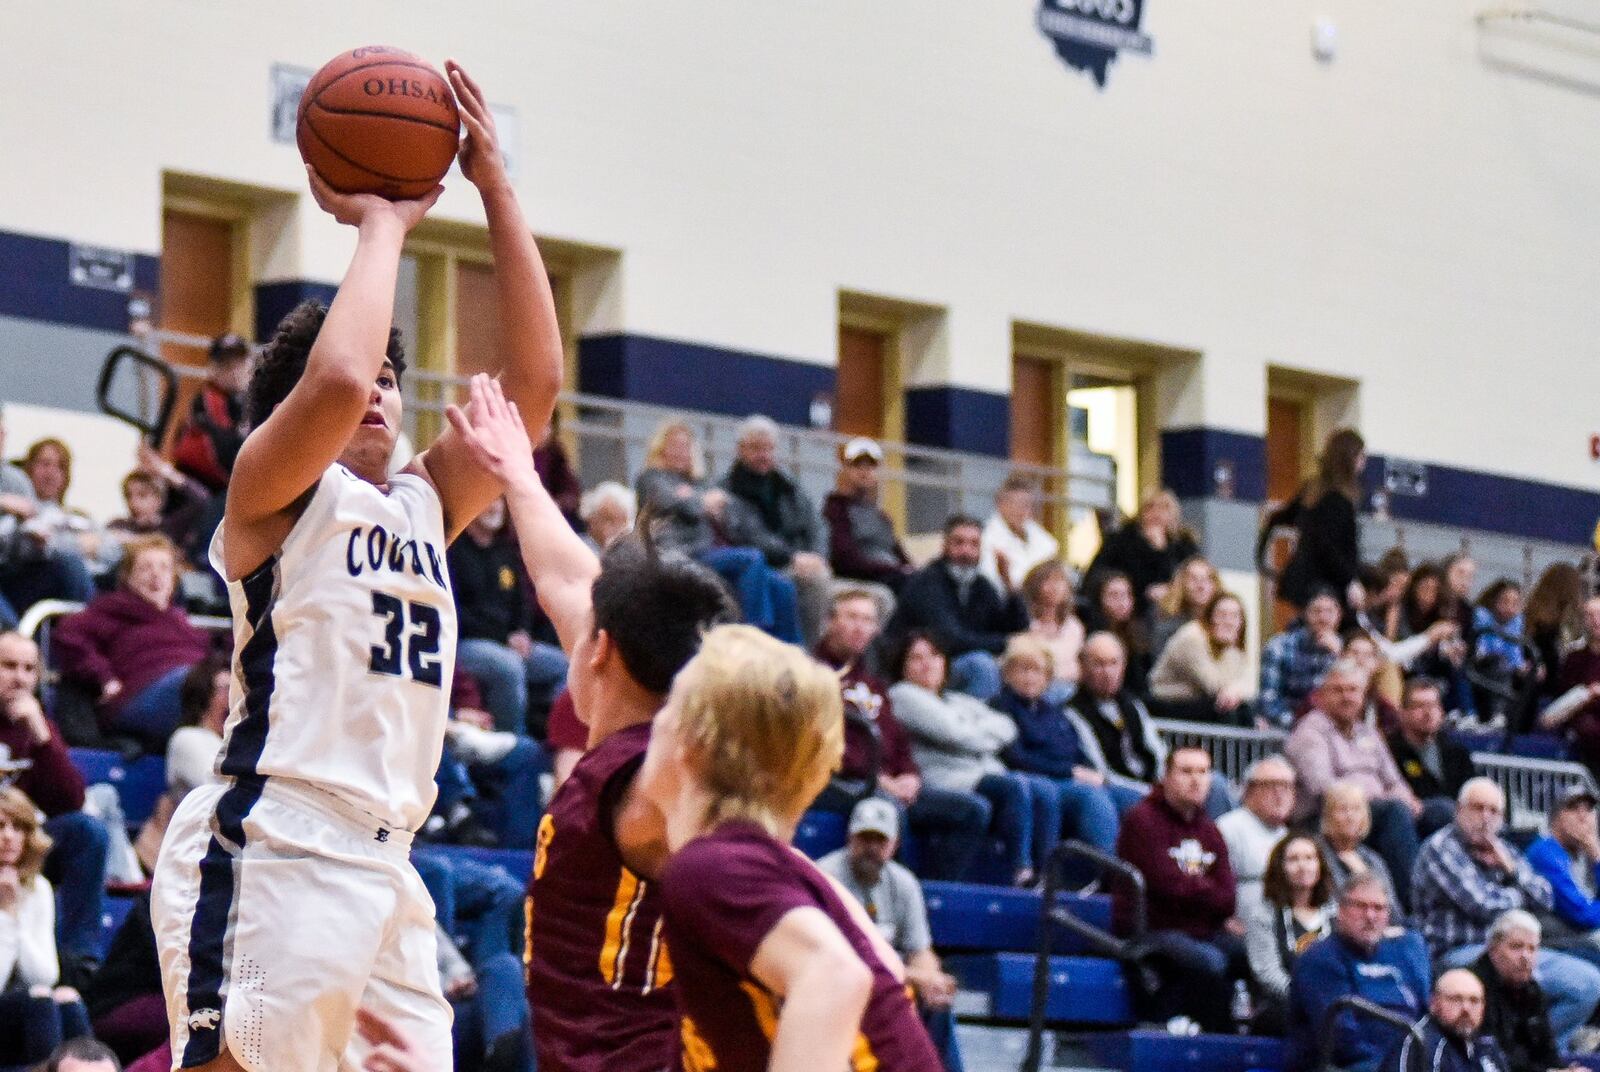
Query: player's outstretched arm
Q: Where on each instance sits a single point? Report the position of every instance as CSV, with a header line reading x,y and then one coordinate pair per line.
x,y
284,458
824,985
533,359
561,566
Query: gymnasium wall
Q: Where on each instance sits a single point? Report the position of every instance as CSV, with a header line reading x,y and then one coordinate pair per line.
x,y
1415,215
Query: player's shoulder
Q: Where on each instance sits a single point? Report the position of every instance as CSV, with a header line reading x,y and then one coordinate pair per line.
x,y
734,852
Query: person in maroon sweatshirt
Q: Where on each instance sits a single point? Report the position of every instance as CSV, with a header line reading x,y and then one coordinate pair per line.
x,y
134,646
953,824
1192,939
76,866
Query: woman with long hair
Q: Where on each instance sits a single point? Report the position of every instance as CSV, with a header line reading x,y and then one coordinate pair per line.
x,y
1113,609
684,512
1193,587
1053,618
1553,623
1203,673
1148,548
1296,909
1328,552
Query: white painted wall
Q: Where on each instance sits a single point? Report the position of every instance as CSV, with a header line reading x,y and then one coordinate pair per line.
x,y
1411,215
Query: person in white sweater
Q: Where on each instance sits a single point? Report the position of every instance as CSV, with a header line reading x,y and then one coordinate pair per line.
x,y
957,741
1013,542
1202,674
36,1015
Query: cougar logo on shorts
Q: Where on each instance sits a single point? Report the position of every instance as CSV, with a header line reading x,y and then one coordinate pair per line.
x,y
204,1019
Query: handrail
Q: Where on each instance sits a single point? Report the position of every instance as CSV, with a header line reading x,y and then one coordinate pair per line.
x,y
863,787
1053,914
1361,1007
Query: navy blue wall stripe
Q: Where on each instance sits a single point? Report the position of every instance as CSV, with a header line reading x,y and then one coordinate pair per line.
x,y
35,285
666,372
274,300
1190,458
959,418
1491,502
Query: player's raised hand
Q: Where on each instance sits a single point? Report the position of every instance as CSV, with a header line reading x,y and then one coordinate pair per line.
x,y
391,1050
353,210
493,431
482,161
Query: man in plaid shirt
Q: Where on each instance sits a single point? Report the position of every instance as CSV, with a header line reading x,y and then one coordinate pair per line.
x,y
1294,661
1466,877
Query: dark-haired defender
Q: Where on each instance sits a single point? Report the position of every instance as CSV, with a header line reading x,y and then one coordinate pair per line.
x,y
598,972
284,899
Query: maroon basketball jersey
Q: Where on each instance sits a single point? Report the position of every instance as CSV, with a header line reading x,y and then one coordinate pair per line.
x,y
597,969
721,895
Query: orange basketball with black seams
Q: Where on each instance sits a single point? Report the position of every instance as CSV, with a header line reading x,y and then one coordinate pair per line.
x,y
379,120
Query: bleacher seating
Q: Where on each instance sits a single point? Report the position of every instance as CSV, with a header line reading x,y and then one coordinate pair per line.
x,y
139,782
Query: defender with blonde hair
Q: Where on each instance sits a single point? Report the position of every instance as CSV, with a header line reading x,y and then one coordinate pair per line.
x,y
777,969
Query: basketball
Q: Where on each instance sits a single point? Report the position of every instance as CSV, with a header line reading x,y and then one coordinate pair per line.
x,y
379,120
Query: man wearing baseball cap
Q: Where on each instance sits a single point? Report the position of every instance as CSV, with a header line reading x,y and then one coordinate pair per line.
x,y
862,544
1569,859
209,440
893,899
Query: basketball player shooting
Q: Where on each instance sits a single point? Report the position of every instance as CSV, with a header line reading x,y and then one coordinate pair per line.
x,y
284,899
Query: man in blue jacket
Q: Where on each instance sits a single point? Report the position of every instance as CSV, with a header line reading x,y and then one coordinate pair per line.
x,y
1363,959
1450,1035
1569,859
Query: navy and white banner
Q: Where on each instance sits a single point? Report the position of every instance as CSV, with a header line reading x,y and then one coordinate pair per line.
x,y
1089,34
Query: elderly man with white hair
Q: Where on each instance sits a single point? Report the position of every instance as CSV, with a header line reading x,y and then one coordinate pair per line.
x,y
1334,743
1516,1014
608,510
1467,877
769,511
1256,825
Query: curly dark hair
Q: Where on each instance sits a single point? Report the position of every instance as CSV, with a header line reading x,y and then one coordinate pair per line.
x,y
283,359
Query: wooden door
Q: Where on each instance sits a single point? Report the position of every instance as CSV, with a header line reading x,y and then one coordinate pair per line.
x,y
1286,426
859,399
477,320
1033,411
197,259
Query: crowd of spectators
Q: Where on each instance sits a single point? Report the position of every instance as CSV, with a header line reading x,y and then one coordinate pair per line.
x,y
997,706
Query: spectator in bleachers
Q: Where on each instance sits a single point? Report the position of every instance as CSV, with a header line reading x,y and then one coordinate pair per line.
x,y
1112,610
1296,659
1576,709
36,1013
48,464
892,897
1497,649
125,1000
968,617
1568,858
1451,1041
81,1055
1341,833
951,824
1295,910
1193,940
1515,1014
1123,734
134,646
862,542
1193,588
1013,540
768,510
479,909
1553,619
193,747
957,741
208,443
497,621
566,737
1050,744
607,511
1333,744
1257,825
1433,763
159,498
685,513
1147,549
77,864
550,461
1203,674
1383,680
1467,876
31,568
1460,580
1361,959
1327,554
1047,591
1383,587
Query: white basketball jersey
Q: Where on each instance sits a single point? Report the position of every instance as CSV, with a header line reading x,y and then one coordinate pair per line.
x,y
344,646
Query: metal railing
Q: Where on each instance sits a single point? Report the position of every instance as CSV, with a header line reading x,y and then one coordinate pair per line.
x,y
610,436
1360,1007
1232,748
